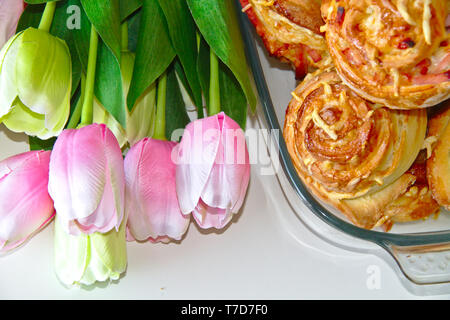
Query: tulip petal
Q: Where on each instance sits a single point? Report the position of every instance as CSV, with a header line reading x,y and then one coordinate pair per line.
x,y
110,249
8,89
72,254
86,165
44,71
85,259
227,185
209,217
101,115
152,206
10,11
196,155
25,206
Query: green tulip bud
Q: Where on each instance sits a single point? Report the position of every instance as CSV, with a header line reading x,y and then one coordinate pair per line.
x,y
140,121
35,83
85,259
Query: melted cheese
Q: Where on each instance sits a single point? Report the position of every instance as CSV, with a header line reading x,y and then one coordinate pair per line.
x,y
248,6
318,121
401,7
396,78
265,3
327,89
428,144
426,21
296,97
378,180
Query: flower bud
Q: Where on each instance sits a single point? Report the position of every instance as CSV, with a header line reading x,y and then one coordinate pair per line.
x,y
35,83
85,259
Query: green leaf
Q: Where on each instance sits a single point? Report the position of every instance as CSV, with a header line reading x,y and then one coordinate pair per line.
x,y
203,68
134,22
81,36
176,114
60,30
39,1
128,7
30,17
232,97
218,23
38,144
182,32
108,84
105,16
154,51
184,82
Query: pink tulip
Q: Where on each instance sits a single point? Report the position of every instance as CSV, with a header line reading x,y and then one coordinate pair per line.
x,y
151,200
87,180
213,170
10,12
25,206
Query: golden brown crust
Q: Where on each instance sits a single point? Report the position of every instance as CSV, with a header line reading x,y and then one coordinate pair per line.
x,y
396,53
348,153
417,202
289,30
438,165
305,13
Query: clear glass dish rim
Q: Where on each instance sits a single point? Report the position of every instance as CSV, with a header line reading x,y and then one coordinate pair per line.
x,y
378,237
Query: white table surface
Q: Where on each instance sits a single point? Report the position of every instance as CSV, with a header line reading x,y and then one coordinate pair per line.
x,y
254,258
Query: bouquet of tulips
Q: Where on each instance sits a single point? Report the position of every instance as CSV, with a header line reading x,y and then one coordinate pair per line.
x,y
103,88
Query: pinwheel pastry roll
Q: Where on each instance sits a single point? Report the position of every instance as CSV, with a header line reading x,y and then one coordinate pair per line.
x,y
349,153
417,203
438,163
290,30
395,53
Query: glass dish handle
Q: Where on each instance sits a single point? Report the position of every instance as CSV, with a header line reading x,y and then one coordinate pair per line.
x,y
422,264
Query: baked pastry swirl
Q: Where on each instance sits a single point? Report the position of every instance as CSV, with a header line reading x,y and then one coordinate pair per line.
x,y
290,30
392,52
349,153
417,203
438,164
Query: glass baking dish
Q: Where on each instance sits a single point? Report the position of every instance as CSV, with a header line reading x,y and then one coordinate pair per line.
x,y
421,249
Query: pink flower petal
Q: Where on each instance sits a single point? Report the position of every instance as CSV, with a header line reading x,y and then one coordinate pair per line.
x,y
87,179
208,217
196,154
25,205
230,175
151,200
10,12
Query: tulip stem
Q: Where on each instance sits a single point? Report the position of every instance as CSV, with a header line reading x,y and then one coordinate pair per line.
x,y
124,36
88,102
160,125
47,16
214,87
76,114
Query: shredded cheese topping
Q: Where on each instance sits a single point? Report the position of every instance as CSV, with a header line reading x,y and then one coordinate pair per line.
x,y
327,89
426,21
248,6
318,121
396,76
368,115
428,144
265,3
296,97
401,7
378,180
